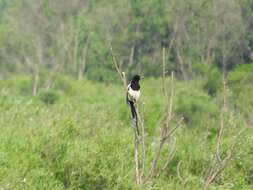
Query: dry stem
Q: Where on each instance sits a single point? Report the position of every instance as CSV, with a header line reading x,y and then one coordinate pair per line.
x,y
182,179
165,131
138,173
219,164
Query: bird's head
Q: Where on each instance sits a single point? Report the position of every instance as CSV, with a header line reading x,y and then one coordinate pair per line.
x,y
136,78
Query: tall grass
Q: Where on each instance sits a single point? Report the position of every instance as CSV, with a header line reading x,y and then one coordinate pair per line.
x,y
84,139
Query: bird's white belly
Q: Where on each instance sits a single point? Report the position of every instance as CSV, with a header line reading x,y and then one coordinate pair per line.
x,y
134,94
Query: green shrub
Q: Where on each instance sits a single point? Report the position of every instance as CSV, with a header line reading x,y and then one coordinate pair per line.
x,y
211,77
151,69
200,69
86,141
244,156
243,101
213,82
67,85
240,84
241,75
102,74
195,106
48,97
19,85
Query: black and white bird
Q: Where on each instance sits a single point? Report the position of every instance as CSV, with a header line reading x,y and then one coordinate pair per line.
x,y
133,95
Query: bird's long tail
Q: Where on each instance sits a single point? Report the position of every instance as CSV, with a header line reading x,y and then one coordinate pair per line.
x,y
134,115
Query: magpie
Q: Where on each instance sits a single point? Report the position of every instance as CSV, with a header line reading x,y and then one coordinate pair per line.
x,y
133,94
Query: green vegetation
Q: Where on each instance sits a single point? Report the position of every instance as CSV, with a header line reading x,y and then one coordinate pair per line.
x,y
84,140
64,120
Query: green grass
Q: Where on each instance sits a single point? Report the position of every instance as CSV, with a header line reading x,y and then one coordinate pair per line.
x,y
84,139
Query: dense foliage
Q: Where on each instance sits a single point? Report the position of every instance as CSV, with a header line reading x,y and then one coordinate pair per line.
x,y
79,135
64,121
73,37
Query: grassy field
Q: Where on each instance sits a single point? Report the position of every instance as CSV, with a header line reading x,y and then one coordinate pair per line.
x,y
79,136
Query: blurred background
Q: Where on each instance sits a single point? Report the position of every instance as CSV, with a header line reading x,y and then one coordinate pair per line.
x,y
63,118
54,37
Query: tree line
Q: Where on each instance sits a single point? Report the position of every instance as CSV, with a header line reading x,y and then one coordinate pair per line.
x,y
51,37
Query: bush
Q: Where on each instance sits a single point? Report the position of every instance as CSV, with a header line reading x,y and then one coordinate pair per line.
x,y
243,160
48,97
18,85
210,75
151,69
90,144
67,85
243,102
200,69
239,78
240,83
241,75
214,82
195,106
102,74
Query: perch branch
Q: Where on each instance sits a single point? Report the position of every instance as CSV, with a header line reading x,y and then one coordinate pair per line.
x,y
138,163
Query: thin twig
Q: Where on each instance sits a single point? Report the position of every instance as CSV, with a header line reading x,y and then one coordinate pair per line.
x,y
175,128
182,179
170,154
136,159
163,73
220,164
220,133
164,135
143,142
138,139
121,74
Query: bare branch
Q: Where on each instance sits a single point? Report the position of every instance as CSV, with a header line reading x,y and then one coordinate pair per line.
x,y
182,179
218,143
131,56
215,170
181,64
165,132
136,159
170,155
219,164
138,174
121,74
143,141
174,129
163,74
84,59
